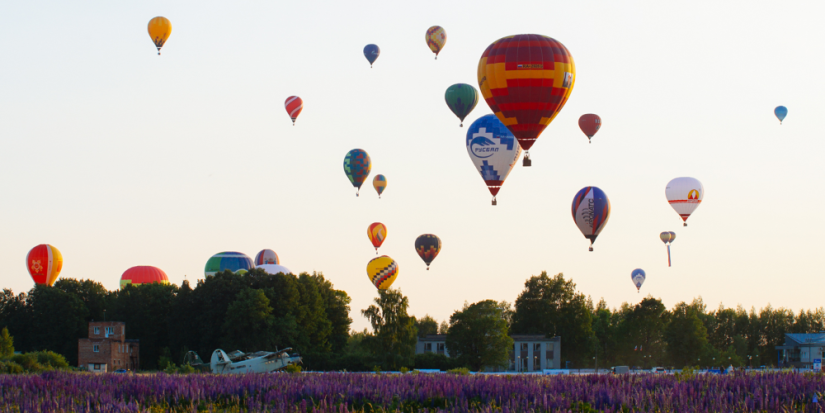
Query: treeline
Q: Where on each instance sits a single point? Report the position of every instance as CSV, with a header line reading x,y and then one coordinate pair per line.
x,y
258,311
255,311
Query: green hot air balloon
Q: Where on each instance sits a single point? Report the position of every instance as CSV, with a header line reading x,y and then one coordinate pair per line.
x,y
462,99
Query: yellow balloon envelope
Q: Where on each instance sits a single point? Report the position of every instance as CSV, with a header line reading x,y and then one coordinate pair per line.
x,y
436,37
159,30
382,272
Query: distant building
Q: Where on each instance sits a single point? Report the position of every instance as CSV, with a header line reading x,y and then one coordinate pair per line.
x,y
107,348
529,352
800,350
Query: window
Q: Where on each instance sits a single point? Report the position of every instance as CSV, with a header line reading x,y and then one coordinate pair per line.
x,y
110,330
536,356
97,330
428,347
440,348
96,348
97,366
548,355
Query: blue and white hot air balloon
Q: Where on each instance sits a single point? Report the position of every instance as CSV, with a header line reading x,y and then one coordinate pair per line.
x,y
780,113
638,276
494,151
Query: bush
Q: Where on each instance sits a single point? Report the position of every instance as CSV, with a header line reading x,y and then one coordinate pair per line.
x,y
28,361
10,367
293,368
170,368
186,369
434,361
51,359
461,371
404,370
376,369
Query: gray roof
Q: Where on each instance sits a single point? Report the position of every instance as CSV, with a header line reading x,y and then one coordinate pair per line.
x,y
816,338
515,337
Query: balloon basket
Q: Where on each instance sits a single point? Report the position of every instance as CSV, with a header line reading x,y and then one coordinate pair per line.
x,y
591,249
527,162
685,224
495,202
428,268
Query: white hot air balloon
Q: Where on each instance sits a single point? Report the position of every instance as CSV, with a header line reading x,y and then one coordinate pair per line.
x,y
684,195
493,150
638,276
274,269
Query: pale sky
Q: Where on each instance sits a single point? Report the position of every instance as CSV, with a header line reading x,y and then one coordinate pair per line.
x,y
119,157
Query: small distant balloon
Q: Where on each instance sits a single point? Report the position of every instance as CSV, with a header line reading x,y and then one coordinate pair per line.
x,y
638,276
357,166
428,246
266,256
377,232
590,124
293,106
461,98
382,272
493,150
236,262
44,263
436,38
379,183
667,237
159,30
684,195
371,52
780,113
143,274
591,210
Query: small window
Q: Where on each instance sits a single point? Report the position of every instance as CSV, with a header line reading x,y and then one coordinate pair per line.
x,y
110,331
96,348
97,330
428,347
440,348
97,366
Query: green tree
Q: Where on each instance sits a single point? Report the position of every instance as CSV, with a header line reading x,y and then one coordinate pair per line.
x,y
394,335
58,320
6,344
686,336
552,307
248,322
92,293
145,309
479,337
426,325
336,303
640,333
604,329
444,327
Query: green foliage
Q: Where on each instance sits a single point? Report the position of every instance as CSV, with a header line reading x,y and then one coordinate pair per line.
x,y
171,368
479,336
186,369
426,326
293,368
10,367
376,369
394,335
429,361
685,335
461,371
51,360
6,344
404,370
248,322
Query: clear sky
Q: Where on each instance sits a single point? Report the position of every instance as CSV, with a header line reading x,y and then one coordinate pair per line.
x,y
120,157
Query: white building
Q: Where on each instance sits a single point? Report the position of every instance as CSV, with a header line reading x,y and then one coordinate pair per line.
x,y
529,352
800,350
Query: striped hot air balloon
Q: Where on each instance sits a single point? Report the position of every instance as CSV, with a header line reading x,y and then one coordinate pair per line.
x,y
266,257
293,106
591,210
377,232
44,263
236,262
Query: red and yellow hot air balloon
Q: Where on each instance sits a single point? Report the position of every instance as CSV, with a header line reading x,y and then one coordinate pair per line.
x,y
44,263
377,233
143,274
159,30
590,124
294,105
526,79
436,38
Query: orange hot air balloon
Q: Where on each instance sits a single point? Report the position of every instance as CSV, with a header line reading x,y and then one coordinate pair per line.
x,y
159,30
377,233
294,105
526,79
44,263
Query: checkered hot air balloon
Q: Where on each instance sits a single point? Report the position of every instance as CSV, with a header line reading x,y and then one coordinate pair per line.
x,y
591,210
379,183
382,272
493,150
44,263
357,166
428,246
377,233
436,38
293,106
526,79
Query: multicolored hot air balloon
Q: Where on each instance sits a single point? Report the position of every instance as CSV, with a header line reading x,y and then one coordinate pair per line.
x,y
379,183
526,79
266,257
436,37
667,237
382,272
273,269
780,113
638,276
590,124
159,30
428,246
236,262
371,52
294,105
461,98
143,274
377,233
357,166
44,263
684,195
591,210
493,150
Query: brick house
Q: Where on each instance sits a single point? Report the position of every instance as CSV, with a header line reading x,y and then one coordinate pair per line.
x,y
107,348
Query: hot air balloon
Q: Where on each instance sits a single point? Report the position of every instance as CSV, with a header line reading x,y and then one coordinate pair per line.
x,y
379,183
436,37
684,195
293,106
357,166
462,99
591,210
590,124
780,113
232,261
274,269
44,263
428,246
266,257
159,30
526,79
377,233
143,274
371,52
493,150
667,237
638,276
382,272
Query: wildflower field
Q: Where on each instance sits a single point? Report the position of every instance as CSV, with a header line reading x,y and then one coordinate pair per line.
x,y
364,392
